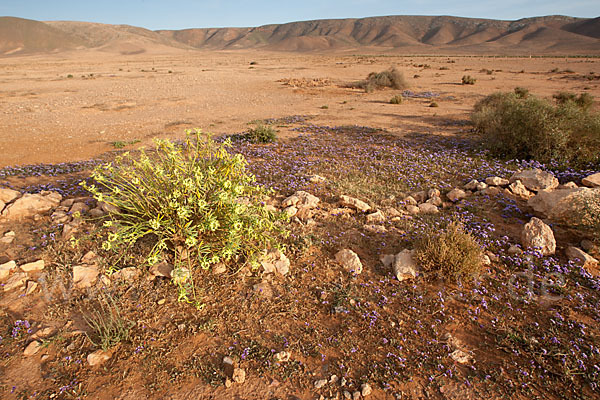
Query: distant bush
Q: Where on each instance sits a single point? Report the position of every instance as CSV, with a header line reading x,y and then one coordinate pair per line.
x,y
434,104
391,78
397,99
70,76
195,200
468,80
521,92
534,128
261,134
587,215
449,252
584,100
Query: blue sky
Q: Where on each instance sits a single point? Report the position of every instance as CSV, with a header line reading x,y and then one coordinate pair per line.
x,y
178,14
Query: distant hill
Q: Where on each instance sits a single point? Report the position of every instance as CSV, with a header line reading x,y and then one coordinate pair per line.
x,y
414,34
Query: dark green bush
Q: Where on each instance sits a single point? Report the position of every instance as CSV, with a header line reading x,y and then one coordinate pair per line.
x,y
449,252
534,128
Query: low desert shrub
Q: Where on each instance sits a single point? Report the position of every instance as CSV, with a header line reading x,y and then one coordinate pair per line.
x,y
521,92
391,78
534,128
108,326
449,252
434,104
261,134
584,100
468,80
397,99
194,201
587,215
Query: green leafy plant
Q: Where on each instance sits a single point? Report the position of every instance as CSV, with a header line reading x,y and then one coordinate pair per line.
x,y
534,128
261,134
108,326
397,99
195,201
468,80
449,252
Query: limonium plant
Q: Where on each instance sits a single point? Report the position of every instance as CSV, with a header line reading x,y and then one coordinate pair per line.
x,y
196,200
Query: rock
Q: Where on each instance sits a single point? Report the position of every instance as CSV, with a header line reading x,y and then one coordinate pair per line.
x,y
365,389
228,361
60,217
518,189
471,185
304,213
8,195
413,210
127,274
376,217
351,202
33,267
108,208
375,228
219,269
275,261
301,198
580,257
410,201
356,395
239,375
455,195
536,234
43,333
535,179
282,356
98,357
431,193
97,212
485,260
496,181
16,281
79,208
514,250
8,237
387,260
460,356
481,186
90,258
347,395
264,288
320,383
32,348
162,269
6,268
435,200
290,211
586,245
316,179
491,191
568,185
31,204
404,266
592,181
428,208
69,230
392,212
84,277
563,205
31,286
349,260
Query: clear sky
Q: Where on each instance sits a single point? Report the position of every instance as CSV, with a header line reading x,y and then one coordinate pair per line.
x,y
179,14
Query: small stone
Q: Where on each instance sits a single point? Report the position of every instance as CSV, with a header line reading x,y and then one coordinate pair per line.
x,y
290,211
162,269
84,277
420,196
514,250
428,208
33,267
376,217
16,281
98,357
283,356
32,348
491,191
413,210
320,383
460,356
316,179
592,181
387,260
108,208
496,181
580,257
6,268
79,208
356,395
568,185
301,198
404,266
455,195
375,228
219,269
228,383
410,201
8,237
90,258
239,375
365,389
392,212
228,360
349,260
431,193
97,212
356,204
481,186
31,286
127,274
347,395
536,234
472,185
435,200
333,379
485,260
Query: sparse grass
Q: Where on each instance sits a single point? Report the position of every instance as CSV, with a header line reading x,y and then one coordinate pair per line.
x,y
109,328
397,99
391,78
449,252
533,128
468,80
119,144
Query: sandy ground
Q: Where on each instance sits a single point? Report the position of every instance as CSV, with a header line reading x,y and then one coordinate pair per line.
x,y
48,117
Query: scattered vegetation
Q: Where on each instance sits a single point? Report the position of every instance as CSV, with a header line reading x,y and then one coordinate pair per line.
x,y
397,99
196,203
468,80
108,326
119,144
391,78
533,128
449,252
